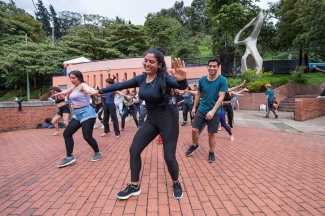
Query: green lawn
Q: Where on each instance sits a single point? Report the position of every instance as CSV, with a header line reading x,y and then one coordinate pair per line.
x,y
9,95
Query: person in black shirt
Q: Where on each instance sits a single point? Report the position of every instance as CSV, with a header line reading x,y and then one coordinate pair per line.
x,y
154,87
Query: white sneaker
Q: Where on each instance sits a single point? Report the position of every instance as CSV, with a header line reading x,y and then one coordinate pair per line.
x,y
95,125
102,126
319,97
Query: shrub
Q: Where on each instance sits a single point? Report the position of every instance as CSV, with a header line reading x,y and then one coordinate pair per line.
x,y
252,75
296,75
280,82
257,86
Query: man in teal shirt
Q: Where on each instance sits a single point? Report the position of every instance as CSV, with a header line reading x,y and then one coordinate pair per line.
x,y
212,89
269,98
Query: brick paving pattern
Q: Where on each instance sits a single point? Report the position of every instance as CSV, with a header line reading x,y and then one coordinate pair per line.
x,y
262,172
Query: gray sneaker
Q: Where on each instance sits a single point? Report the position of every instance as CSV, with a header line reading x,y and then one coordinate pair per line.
x,y
66,161
97,156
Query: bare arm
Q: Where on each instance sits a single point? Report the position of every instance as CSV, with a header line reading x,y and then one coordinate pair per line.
x,y
196,102
236,87
65,92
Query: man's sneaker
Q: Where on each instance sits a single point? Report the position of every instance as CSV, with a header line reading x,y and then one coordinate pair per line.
x,y
184,124
178,193
95,125
97,156
211,158
130,190
66,161
192,149
267,116
102,126
276,116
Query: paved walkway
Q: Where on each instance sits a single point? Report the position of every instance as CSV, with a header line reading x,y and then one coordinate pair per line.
x,y
267,170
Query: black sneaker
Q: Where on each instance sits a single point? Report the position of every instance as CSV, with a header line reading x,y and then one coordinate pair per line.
x,y
267,116
66,161
96,156
130,190
211,158
178,193
184,123
276,116
192,149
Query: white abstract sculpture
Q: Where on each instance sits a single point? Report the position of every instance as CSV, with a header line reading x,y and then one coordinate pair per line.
x,y
251,59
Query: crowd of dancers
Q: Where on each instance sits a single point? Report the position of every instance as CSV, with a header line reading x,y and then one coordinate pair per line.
x,y
157,103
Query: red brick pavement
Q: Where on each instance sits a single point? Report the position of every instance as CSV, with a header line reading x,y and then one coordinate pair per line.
x,y
260,173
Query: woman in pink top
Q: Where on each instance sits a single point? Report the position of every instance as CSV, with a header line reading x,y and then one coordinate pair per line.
x,y
84,117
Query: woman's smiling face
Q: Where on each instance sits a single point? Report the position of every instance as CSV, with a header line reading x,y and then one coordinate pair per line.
x,y
150,64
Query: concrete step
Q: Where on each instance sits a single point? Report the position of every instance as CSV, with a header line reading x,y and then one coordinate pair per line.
x,y
286,109
302,96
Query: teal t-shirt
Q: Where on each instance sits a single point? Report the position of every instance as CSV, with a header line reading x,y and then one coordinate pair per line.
x,y
270,93
210,92
187,99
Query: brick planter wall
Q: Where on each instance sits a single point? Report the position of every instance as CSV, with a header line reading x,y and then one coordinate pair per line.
x,y
309,108
32,113
252,101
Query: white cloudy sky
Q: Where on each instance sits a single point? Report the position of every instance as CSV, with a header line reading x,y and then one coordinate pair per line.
x,y
134,10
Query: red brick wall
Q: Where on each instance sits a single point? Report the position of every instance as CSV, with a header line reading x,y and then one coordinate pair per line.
x,y
309,108
32,113
252,101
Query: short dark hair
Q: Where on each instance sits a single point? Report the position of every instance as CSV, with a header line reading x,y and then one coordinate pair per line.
x,y
78,74
110,80
54,88
215,59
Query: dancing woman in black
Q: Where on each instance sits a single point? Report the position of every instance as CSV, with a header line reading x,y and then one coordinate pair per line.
x,y
154,87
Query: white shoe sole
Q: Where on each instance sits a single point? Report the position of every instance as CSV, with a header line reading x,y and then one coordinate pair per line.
x,y
67,164
128,196
193,152
97,159
178,197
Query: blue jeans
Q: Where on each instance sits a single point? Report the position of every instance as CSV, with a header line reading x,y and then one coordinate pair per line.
x,y
143,114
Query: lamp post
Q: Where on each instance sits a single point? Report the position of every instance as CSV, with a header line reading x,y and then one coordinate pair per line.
x,y
27,75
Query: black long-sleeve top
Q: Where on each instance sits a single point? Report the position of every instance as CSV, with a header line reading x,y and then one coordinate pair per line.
x,y
150,92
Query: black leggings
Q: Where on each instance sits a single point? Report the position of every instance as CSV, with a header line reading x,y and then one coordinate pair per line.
x,y
162,121
228,108
87,132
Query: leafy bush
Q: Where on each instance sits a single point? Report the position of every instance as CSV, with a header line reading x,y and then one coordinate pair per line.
x,y
296,75
280,82
257,86
252,75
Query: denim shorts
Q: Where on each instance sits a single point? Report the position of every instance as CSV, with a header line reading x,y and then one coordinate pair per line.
x,y
84,113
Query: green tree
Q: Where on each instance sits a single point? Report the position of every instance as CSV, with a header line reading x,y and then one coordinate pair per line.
x,y
164,32
69,20
56,23
129,39
43,16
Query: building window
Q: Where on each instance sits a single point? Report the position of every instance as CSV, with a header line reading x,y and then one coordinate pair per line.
x,y
101,81
125,76
94,80
134,74
62,87
109,76
117,77
88,79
